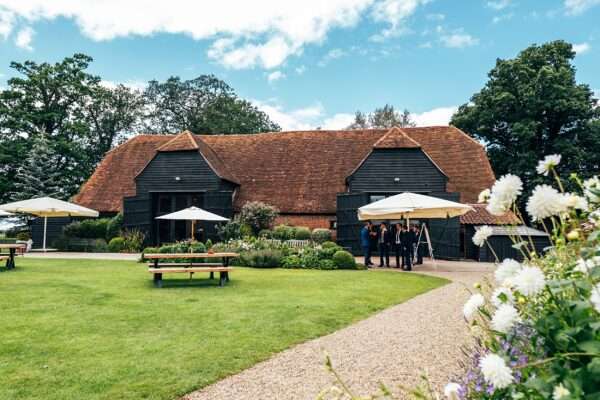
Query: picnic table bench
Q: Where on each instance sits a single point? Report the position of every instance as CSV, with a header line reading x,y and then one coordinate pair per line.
x,y
12,250
158,267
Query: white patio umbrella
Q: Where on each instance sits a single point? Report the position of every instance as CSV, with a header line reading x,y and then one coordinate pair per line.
x,y
4,214
48,207
193,214
412,205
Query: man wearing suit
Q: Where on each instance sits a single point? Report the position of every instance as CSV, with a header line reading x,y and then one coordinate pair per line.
x,y
365,242
397,244
408,241
384,240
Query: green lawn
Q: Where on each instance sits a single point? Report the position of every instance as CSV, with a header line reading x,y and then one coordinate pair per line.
x,y
81,329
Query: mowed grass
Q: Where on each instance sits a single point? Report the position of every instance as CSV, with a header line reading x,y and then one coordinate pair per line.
x,y
82,329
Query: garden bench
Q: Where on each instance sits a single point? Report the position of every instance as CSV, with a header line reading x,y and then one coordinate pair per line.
x,y
160,265
10,257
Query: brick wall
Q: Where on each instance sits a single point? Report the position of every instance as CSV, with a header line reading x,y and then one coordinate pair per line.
x,y
311,221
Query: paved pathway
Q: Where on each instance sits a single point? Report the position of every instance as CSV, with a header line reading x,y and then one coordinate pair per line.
x,y
393,347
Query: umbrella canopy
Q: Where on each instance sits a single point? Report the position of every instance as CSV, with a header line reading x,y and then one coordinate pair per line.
x,y
412,205
193,214
4,214
48,207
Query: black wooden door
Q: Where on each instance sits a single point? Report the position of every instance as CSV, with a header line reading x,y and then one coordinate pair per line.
x,y
348,225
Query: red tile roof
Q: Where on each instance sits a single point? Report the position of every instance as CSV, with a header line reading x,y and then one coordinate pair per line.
x,y
299,172
480,216
396,138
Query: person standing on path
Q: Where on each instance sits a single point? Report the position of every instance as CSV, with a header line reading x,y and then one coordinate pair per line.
x,y
365,242
384,240
397,244
408,241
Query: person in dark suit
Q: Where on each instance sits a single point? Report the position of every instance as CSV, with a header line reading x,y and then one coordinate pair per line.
x,y
408,241
384,240
365,242
397,244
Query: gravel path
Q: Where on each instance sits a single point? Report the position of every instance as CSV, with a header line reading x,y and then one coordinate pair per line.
x,y
393,346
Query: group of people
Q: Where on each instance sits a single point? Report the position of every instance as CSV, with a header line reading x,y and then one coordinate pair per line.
x,y
402,240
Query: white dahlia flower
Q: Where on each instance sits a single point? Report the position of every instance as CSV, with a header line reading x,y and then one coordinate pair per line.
x,y
589,185
495,371
545,202
472,305
482,234
575,202
507,269
451,391
502,295
505,317
504,193
560,392
585,266
549,162
530,281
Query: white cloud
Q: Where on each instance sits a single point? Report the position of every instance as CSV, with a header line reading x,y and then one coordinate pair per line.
x,y
243,34
458,40
394,13
436,17
6,23
498,4
298,119
503,17
331,55
24,38
437,116
581,48
275,76
300,70
338,121
577,7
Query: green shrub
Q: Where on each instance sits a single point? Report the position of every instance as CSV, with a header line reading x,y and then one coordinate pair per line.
x,y
261,258
291,261
23,235
87,229
99,246
61,243
327,265
344,260
301,233
258,215
321,235
310,258
209,244
230,231
134,240
283,232
266,233
116,244
197,247
329,245
114,226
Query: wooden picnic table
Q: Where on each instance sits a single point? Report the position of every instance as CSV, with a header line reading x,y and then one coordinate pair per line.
x,y
158,267
12,250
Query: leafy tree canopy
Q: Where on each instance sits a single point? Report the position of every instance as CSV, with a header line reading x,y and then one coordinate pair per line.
x,y
384,117
532,106
204,105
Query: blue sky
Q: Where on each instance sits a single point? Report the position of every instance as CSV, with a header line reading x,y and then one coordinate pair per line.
x,y
310,63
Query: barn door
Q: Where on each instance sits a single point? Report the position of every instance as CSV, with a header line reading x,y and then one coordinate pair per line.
x,y
348,225
220,203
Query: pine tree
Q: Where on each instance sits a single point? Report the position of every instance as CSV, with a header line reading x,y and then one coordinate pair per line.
x,y
38,176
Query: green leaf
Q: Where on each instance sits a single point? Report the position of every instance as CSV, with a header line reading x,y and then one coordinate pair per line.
x,y
590,346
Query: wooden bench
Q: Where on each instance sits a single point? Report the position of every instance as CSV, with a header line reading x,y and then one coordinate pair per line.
x,y
183,269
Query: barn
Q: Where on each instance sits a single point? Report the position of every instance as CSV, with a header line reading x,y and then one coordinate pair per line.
x,y
315,178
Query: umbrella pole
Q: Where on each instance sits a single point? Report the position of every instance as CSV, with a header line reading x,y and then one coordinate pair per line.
x,y
45,228
193,230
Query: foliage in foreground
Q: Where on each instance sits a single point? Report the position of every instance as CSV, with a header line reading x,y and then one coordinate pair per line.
x,y
537,326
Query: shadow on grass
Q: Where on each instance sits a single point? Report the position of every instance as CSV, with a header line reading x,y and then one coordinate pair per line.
x,y
189,283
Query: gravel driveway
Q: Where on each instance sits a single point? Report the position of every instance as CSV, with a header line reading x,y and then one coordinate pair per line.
x,y
393,346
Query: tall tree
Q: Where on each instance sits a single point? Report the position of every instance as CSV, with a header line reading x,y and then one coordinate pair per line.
x,y
532,106
79,118
38,175
384,117
204,105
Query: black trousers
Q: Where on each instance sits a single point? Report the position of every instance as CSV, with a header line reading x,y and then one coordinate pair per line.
x,y
420,251
408,256
399,252
384,251
367,254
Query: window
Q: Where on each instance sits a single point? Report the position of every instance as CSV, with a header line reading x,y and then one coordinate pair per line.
x,y
333,224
